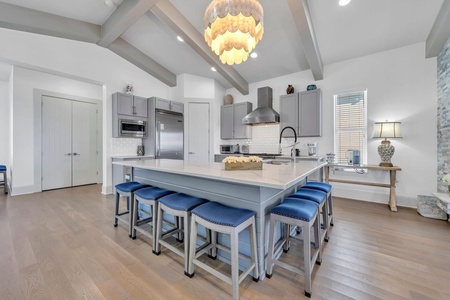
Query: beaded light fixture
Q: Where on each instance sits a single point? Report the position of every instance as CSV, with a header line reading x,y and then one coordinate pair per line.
x,y
386,130
233,28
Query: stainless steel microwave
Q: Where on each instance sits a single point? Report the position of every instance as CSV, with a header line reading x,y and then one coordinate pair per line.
x,y
132,128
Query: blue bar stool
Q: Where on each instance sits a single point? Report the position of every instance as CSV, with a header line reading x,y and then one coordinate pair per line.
x,y
149,196
126,189
324,187
217,217
177,205
5,179
320,198
304,214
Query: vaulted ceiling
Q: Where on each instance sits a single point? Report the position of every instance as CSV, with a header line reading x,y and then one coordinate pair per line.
x,y
299,34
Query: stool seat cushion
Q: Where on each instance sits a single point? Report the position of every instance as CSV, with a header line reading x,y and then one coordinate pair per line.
x,y
2,168
310,194
296,208
152,193
222,215
131,186
321,186
180,201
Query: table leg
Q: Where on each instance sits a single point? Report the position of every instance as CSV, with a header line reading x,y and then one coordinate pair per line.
x,y
392,199
327,174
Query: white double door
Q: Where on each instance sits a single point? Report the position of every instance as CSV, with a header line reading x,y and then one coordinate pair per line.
x,y
69,143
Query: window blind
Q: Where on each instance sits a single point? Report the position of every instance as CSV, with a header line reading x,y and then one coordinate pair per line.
x,y
350,125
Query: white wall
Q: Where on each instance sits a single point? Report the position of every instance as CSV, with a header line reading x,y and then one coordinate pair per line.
x,y
192,88
84,62
401,86
4,123
25,82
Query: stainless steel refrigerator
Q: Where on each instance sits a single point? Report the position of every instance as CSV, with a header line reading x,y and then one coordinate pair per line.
x,y
169,134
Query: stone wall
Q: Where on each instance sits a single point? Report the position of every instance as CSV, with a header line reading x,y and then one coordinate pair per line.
x,y
443,116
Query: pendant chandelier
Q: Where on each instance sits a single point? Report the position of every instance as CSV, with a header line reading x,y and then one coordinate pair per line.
x,y
233,28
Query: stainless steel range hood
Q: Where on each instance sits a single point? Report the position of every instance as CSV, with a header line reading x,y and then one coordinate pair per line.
x,y
264,113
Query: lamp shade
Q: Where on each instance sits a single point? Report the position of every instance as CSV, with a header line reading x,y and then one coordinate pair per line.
x,y
387,130
233,28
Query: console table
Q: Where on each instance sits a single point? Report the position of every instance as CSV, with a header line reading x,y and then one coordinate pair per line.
x,y
391,185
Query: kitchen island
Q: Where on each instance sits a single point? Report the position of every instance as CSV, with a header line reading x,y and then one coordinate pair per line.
x,y
257,190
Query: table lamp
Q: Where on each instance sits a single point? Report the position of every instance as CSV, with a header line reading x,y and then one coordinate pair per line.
x,y
386,130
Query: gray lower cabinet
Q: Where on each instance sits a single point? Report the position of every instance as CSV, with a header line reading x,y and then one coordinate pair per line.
x,y
231,126
303,112
220,157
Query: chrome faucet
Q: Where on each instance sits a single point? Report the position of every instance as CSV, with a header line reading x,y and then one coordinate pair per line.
x,y
295,141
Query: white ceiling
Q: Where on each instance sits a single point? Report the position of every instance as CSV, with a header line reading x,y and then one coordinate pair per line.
x,y
363,27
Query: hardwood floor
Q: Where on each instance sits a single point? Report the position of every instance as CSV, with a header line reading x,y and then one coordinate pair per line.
x,y
61,245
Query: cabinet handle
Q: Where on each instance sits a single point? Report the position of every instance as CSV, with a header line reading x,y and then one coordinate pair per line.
x,y
68,154
75,154
158,139
191,152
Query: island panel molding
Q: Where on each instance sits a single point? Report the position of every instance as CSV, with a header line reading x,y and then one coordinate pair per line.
x,y
256,190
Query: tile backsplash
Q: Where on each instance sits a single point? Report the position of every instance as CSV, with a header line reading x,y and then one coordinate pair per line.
x,y
265,140
125,146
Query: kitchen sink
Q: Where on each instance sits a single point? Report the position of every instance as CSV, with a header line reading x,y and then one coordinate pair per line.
x,y
285,160
278,161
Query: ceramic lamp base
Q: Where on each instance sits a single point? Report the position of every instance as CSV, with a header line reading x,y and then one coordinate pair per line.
x,y
386,151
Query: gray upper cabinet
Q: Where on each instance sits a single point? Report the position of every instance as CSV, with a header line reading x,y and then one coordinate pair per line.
x,y
289,113
169,105
303,111
231,126
129,105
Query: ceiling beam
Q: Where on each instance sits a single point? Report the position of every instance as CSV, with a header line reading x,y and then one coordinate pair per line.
x,y
142,61
305,29
182,27
29,20
128,13
440,32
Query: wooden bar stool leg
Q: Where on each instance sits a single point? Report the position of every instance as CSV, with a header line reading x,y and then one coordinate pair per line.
x,y
307,260
235,263
116,208
254,250
271,253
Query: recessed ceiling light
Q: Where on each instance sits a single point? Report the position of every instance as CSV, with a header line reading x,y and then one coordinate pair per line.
x,y
254,55
344,2
179,38
213,69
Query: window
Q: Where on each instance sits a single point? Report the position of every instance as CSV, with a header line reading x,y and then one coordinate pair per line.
x,y
350,125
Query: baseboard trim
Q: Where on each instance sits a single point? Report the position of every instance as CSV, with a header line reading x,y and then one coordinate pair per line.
x,y
107,189
371,196
21,190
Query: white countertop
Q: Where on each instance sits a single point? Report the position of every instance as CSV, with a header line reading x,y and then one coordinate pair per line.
x,y
135,156
274,176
